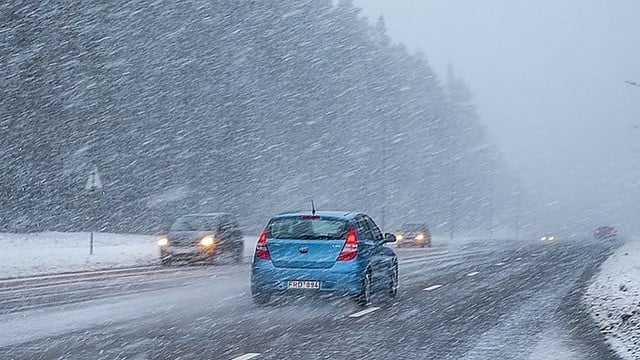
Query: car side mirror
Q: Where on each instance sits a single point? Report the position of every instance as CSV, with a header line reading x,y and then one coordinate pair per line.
x,y
389,238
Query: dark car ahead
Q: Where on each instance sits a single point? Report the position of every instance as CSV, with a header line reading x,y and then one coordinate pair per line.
x,y
413,235
605,233
200,237
323,252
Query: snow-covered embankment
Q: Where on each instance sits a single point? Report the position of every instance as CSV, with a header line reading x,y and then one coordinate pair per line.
x,y
614,299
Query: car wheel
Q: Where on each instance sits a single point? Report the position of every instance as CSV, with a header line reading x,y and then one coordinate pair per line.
x,y
364,298
260,297
393,290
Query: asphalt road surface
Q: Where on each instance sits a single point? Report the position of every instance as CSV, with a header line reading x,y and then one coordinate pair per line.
x,y
483,300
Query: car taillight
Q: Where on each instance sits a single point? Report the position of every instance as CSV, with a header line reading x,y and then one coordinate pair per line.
x,y
262,252
350,248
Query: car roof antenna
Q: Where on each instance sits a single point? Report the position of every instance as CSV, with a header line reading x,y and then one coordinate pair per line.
x,y
313,208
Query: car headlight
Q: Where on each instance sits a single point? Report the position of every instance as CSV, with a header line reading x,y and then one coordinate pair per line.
x,y
420,237
208,240
552,238
543,238
399,237
163,242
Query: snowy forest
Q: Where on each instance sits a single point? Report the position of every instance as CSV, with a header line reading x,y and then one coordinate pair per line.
x,y
121,115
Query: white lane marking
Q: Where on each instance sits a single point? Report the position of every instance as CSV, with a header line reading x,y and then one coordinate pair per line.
x,y
364,312
473,273
246,356
501,264
433,287
518,259
438,256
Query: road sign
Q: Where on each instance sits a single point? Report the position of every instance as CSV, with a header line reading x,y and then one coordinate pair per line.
x,y
94,182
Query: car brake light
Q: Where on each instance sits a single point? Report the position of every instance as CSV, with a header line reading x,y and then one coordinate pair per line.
x,y
350,248
262,252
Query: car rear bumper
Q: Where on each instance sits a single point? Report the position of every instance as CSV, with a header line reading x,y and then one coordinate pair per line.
x,y
341,278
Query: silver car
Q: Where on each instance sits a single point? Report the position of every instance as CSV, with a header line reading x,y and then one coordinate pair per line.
x,y
202,237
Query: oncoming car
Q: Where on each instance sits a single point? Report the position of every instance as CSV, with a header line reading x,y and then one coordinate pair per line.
x,y
323,252
548,237
202,237
413,235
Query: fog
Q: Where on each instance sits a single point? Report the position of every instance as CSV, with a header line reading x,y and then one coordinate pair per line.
x,y
549,84
143,98
119,117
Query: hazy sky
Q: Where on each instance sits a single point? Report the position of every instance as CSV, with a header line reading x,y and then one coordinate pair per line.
x,y
548,79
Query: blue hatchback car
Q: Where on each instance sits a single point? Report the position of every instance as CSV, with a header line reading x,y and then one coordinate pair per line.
x,y
323,252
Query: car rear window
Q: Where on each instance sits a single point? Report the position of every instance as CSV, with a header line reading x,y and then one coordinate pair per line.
x,y
307,228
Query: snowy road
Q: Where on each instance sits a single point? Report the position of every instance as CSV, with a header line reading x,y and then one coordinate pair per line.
x,y
473,302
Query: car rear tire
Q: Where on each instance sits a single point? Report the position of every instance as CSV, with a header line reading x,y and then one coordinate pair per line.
x,y
393,291
364,298
260,297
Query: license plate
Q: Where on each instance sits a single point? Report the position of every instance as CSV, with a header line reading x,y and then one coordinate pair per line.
x,y
182,250
303,284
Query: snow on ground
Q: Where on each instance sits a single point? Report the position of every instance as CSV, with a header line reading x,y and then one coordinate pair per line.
x,y
614,299
27,326
553,344
55,252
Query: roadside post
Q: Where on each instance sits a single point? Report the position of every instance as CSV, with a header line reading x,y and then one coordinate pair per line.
x,y
93,188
